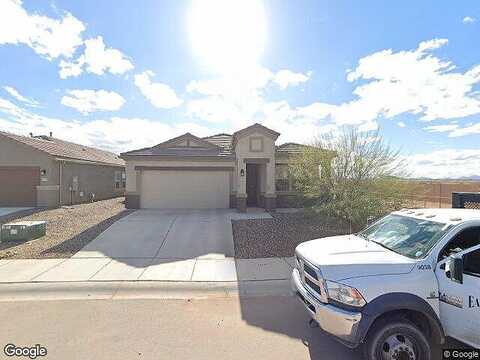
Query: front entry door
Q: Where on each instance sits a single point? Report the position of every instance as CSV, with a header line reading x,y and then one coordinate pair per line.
x,y
252,182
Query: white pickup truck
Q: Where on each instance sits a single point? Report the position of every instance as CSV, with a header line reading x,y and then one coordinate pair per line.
x,y
405,282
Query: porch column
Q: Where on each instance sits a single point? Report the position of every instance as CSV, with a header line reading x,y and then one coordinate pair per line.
x,y
270,194
241,200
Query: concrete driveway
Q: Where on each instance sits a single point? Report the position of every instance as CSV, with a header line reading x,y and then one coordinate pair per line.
x,y
10,210
161,245
166,234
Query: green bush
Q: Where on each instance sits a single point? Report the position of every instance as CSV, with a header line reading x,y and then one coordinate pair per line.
x,y
351,175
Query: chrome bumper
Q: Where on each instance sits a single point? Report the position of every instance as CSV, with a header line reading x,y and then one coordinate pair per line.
x,y
340,323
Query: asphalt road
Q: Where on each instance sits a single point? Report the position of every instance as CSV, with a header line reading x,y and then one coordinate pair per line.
x,y
215,328
229,328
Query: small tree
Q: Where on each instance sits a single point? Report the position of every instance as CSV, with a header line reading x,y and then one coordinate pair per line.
x,y
352,175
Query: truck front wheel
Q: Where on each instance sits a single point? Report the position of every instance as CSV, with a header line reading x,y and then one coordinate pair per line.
x,y
396,339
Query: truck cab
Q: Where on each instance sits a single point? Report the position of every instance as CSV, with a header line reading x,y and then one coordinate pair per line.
x,y
402,284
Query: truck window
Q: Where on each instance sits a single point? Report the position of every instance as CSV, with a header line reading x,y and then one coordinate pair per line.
x,y
471,263
462,241
405,235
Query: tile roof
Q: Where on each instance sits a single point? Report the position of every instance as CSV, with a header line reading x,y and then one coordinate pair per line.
x,y
289,148
67,150
222,140
211,147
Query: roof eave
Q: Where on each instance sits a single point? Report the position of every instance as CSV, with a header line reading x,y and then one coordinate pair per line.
x,y
127,157
82,161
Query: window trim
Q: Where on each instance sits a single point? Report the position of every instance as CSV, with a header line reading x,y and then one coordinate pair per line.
x,y
119,179
463,259
459,230
461,253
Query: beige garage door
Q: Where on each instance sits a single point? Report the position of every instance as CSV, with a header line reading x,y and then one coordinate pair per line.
x,y
185,190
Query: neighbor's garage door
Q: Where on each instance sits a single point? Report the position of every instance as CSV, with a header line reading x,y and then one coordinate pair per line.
x,y
184,189
18,186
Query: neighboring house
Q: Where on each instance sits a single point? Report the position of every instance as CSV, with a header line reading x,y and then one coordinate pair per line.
x,y
45,171
242,170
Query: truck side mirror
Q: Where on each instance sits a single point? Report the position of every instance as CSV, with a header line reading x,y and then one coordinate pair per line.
x,y
370,220
454,269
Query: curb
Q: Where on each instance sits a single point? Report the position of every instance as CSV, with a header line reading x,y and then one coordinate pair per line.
x,y
129,290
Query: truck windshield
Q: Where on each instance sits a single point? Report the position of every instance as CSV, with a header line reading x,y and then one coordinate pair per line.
x,y
405,235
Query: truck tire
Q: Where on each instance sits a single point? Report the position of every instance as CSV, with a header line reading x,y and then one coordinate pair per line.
x,y
396,339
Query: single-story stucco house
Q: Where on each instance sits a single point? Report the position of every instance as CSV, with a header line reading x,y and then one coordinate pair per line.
x,y
242,170
46,171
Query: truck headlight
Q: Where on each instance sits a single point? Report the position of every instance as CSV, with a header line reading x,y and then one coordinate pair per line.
x,y
344,294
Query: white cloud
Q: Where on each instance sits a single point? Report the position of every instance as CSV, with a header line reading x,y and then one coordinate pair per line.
x,y
401,124
413,81
390,84
448,163
48,37
468,20
59,38
15,94
112,134
238,100
87,101
455,130
96,59
160,95
285,78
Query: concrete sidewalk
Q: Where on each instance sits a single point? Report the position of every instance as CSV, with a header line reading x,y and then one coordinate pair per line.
x,y
144,269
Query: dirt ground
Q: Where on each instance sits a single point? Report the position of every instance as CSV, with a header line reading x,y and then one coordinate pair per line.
x,y
69,229
279,236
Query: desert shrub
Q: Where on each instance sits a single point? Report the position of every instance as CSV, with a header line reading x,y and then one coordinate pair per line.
x,y
351,175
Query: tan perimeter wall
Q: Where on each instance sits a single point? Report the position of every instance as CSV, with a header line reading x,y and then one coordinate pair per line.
x,y
437,193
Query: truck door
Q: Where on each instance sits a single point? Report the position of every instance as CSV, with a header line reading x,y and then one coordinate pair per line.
x,y
460,302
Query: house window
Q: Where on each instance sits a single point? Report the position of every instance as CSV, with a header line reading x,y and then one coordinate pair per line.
x,y
120,178
282,179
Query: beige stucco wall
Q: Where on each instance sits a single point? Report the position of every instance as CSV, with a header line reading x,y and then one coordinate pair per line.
x,y
92,179
13,153
47,195
96,179
242,151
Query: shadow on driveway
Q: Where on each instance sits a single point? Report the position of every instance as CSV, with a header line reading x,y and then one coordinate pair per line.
x,y
76,243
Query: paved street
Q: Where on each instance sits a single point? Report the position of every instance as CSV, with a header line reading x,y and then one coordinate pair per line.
x,y
230,328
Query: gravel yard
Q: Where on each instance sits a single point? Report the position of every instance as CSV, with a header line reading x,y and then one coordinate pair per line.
x,y
279,236
68,229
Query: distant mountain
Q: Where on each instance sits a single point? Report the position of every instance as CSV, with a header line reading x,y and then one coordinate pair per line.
x,y
474,177
464,178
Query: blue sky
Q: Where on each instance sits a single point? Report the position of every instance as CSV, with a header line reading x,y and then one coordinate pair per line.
x,y
121,75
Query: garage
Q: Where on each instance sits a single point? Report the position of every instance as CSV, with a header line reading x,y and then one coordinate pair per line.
x,y
19,186
185,189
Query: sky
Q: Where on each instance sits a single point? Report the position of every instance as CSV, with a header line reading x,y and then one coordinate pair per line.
x,y
121,75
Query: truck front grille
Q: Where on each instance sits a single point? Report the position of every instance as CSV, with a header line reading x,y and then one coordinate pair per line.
x,y
313,286
312,279
310,271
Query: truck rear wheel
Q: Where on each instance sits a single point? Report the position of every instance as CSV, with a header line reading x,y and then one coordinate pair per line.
x,y
396,339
